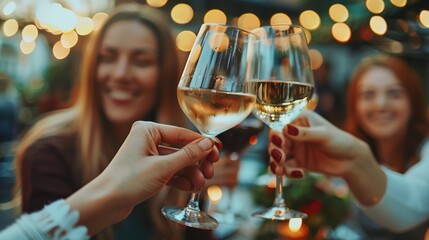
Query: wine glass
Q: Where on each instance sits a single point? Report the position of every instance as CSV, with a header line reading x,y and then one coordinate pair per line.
x,y
235,142
212,93
283,89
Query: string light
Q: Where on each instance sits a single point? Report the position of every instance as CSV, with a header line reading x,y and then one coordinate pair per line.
x,y
156,3
316,59
424,18
215,16
182,13
9,8
29,33
309,19
248,21
399,3
59,51
375,6
84,26
338,13
10,27
69,40
98,19
185,40
27,47
378,25
341,32
280,18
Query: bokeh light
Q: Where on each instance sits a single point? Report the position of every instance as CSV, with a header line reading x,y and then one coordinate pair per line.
x,y
215,16
98,19
219,41
341,32
10,27
338,13
29,33
316,59
309,19
248,21
84,26
27,47
69,40
59,51
156,3
9,8
375,6
378,25
295,224
214,192
280,18
185,40
424,18
399,3
182,13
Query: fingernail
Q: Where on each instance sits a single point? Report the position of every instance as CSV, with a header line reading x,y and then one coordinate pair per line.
x,y
277,155
292,130
297,174
273,167
205,144
276,140
218,144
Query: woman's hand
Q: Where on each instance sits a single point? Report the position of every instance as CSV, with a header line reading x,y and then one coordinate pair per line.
x,y
141,168
313,143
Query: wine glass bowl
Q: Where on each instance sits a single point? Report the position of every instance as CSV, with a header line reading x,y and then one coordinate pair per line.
x,y
213,94
283,88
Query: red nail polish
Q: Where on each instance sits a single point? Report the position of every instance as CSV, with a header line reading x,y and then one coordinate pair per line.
x,y
218,144
292,130
276,140
277,155
297,174
273,167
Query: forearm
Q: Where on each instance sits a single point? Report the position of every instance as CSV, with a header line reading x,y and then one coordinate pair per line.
x,y
365,178
97,206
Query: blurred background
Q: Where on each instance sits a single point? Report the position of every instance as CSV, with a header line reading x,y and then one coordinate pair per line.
x,y
41,43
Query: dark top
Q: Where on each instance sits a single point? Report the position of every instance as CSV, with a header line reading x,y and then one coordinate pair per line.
x,y
51,171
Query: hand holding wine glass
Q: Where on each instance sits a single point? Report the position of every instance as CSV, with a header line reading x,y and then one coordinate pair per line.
x,y
213,94
283,88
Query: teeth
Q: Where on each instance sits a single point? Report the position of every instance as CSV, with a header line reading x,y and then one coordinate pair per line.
x,y
121,95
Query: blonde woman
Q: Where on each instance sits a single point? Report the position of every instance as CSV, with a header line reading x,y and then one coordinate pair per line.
x,y
129,72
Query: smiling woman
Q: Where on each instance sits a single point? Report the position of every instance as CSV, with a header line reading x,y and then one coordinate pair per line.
x,y
129,72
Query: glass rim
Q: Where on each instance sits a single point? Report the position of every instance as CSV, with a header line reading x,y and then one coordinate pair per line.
x,y
230,26
291,26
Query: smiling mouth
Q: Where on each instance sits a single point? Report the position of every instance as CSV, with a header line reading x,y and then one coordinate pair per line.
x,y
120,94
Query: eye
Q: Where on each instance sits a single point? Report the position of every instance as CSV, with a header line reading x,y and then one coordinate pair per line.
x,y
144,61
367,95
395,93
106,57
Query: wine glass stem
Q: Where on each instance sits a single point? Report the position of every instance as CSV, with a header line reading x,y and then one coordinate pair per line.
x,y
279,200
193,203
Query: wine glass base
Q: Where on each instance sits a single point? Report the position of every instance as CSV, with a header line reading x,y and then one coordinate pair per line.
x,y
229,218
279,213
191,218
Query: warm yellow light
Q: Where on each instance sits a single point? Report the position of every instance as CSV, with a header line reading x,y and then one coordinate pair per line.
x,y
309,19
27,47
271,182
219,41
84,26
98,19
156,3
316,59
215,16
185,40
59,51
9,8
280,18
399,3
10,27
248,21
29,33
341,32
215,193
69,40
375,6
182,13
378,25
338,13
295,224
424,18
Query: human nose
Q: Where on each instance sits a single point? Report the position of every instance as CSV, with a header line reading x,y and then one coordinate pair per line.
x,y
381,100
120,70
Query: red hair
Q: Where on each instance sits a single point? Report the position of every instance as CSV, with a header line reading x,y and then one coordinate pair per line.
x,y
409,80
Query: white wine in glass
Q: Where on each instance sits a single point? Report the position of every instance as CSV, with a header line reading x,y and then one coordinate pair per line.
x,y
213,94
283,90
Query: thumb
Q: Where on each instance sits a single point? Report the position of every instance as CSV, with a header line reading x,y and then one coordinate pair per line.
x,y
190,154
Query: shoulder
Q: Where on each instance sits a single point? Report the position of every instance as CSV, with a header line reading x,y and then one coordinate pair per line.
x,y
61,149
